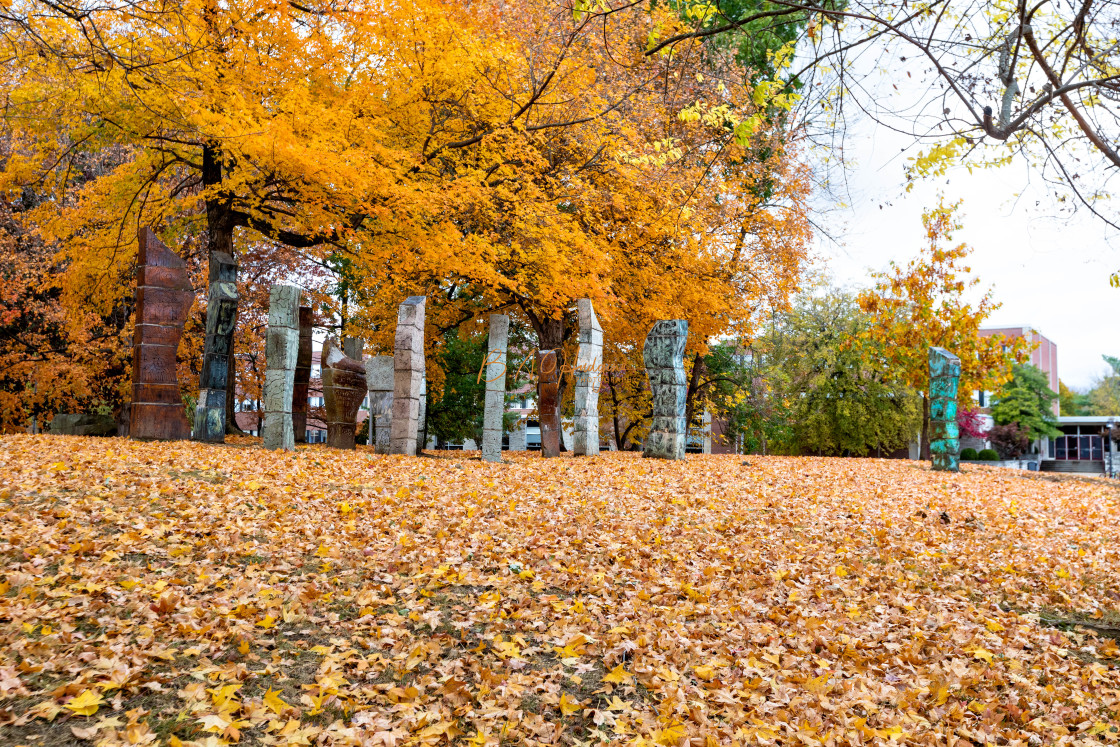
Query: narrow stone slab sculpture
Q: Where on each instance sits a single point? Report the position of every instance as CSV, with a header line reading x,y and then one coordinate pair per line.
x,y
517,436
495,388
707,425
281,351
664,358
408,375
422,416
379,383
221,318
589,367
944,436
303,374
548,402
163,300
344,390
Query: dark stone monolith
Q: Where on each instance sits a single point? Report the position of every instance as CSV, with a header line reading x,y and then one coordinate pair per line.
x,y
548,402
344,389
664,358
944,436
163,300
303,374
221,318
280,352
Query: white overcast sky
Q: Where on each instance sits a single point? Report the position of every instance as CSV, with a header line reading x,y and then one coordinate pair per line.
x,y
1049,273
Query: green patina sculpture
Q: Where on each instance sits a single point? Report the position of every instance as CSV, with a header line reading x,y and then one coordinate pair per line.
x,y
944,437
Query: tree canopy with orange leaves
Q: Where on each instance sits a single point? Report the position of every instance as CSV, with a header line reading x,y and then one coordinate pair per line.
x,y
489,155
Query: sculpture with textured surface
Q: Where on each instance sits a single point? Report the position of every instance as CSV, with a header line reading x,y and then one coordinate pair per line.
x,y
163,300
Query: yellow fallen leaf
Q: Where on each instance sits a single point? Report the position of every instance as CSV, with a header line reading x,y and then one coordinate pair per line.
x,y
274,702
618,675
85,703
568,706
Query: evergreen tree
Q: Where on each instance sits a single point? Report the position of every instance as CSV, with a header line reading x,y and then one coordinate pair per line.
x,y
1026,401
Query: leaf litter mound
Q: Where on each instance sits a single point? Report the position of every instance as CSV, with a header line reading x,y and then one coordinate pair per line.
x,y
189,594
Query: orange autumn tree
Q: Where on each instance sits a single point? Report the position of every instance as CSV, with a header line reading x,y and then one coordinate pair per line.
x,y
922,306
489,155
652,200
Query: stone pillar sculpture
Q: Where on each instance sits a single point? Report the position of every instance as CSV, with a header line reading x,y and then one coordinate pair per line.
x,y
517,436
163,300
707,421
495,410
944,436
548,402
408,375
589,367
280,354
379,383
664,358
303,374
422,416
344,389
221,318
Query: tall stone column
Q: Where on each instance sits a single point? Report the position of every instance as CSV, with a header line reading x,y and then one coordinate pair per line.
x,y
422,416
517,437
379,383
707,432
163,300
344,389
589,367
495,410
944,436
303,374
664,358
280,353
408,376
548,402
221,318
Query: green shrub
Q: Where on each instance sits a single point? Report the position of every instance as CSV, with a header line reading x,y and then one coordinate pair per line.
x,y
969,453
988,455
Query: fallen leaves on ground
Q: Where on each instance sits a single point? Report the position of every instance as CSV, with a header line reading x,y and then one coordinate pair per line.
x,y
188,594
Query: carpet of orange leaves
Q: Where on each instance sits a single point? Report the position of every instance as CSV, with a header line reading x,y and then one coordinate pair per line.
x,y
180,593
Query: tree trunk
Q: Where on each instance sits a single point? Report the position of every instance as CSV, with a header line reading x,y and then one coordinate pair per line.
x,y
693,389
550,336
923,452
219,238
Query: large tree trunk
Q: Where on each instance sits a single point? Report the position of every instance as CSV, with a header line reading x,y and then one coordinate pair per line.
x,y
550,336
219,238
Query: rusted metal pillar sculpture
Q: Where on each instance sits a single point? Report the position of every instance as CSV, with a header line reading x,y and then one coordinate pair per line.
x,y
163,300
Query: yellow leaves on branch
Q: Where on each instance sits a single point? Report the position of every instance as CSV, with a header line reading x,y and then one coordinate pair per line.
x,y
707,601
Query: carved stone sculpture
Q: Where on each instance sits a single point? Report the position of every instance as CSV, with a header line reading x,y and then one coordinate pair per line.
x,y
303,374
589,366
548,402
944,436
344,389
517,436
495,410
379,383
664,358
408,375
281,351
163,300
221,318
